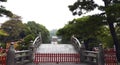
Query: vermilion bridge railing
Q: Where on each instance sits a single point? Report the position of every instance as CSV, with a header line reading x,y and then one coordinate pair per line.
x,y
3,56
110,57
2,60
56,57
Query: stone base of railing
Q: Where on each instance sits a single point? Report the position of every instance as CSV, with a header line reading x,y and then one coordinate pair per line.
x,y
90,63
25,62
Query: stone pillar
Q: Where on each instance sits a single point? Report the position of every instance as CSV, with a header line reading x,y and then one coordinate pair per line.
x,y
11,56
82,57
31,52
101,55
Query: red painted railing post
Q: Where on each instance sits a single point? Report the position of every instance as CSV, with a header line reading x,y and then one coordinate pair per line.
x,y
110,57
3,60
56,57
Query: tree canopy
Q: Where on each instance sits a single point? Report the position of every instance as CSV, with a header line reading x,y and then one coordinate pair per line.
x,y
110,10
4,11
3,33
88,29
14,28
36,28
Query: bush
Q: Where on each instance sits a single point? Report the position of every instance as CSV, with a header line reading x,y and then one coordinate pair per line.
x,y
3,45
27,40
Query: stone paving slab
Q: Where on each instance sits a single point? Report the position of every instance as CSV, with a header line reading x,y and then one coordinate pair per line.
x,y
57,64
56,48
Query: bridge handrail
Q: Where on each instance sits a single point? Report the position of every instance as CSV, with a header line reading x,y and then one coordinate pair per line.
x,y
76,40
94,52
38,40
35,40
14,57
91,56
23,56
23,51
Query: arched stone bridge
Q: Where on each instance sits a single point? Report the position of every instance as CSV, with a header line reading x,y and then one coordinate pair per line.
x,y
60,54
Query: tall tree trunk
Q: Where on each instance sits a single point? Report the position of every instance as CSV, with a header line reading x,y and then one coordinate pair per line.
x,y
115,39
111,20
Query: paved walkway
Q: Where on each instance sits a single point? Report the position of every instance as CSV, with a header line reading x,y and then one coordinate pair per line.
x,y
56,64
56,48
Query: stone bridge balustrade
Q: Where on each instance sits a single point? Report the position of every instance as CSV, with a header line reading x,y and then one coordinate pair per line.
x,y
91,57
18,57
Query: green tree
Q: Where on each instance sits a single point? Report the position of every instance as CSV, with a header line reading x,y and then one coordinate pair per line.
x,y
110,10
36,28
26,42
89,29
3,33
14,28
3,11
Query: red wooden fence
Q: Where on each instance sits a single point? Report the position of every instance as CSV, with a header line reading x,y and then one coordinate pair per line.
x,y
56,57
2,57
2,60
110,57
109,54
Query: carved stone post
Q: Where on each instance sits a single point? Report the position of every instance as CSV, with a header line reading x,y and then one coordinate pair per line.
x,y
11,56
82,49
101,55
32,52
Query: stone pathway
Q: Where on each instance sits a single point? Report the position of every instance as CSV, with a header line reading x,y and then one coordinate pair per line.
x,y
56,48
57,64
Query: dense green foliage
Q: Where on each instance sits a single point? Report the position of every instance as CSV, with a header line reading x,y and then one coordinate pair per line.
x,y
3,33
3,11
17,31
27,40
36,29
110,10
89,29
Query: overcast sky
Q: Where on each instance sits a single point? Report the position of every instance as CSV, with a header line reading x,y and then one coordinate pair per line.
x,y
53,14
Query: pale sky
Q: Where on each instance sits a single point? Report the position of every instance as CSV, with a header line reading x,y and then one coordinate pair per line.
x,y
53,14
